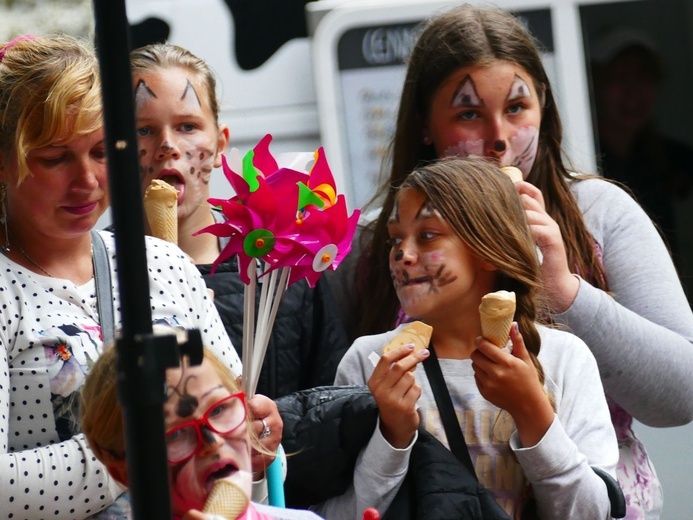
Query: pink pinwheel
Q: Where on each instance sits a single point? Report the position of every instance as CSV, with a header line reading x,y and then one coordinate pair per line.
x,y
258,162
260,223
294,222
326,229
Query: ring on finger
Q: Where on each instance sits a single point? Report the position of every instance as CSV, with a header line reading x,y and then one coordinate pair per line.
x,y
265,430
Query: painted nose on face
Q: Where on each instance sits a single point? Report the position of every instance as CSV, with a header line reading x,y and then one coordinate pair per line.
x,y
167,148
496,148
210,440
496,143
406,255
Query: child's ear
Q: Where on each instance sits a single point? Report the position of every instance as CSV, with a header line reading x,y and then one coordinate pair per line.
x,y
222,142
118,469
488,266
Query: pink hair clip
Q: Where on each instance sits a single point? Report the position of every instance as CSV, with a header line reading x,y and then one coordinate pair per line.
x,y
14,42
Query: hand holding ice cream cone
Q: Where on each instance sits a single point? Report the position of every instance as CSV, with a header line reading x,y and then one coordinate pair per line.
x,y
497,311
416,333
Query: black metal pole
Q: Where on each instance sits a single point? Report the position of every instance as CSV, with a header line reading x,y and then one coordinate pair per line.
x,y
141,371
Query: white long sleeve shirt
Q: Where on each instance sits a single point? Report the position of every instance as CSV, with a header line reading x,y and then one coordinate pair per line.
x,y
558,467
49,338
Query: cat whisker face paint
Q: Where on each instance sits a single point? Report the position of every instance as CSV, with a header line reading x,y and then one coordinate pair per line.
x,y
492,111
465,149
431,268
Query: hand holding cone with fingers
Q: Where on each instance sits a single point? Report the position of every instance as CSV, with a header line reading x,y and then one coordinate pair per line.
x,y
416,333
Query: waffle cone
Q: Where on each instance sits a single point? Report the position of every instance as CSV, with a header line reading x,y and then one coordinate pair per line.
x,y
226,499
417,333
161,208
497,311
515,174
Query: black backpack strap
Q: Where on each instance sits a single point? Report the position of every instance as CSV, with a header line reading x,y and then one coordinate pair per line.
x,y
453,431
104,287
616,497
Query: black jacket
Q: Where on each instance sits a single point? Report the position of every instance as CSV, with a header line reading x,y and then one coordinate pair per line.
x,y
326,428
307,341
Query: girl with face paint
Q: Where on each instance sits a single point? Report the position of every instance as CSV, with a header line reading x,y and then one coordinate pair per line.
x,y
527,424
208,435
476,85
180,142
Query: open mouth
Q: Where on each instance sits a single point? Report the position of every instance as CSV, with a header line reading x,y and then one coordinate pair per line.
x,y
175,179
220,474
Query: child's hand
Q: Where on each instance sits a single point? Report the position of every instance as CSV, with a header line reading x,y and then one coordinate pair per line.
x,y
395,390
561,285
510,381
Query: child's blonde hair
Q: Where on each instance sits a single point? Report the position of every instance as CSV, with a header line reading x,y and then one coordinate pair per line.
x,y
50,92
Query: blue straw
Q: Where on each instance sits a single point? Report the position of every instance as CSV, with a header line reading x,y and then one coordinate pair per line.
x,y
275,482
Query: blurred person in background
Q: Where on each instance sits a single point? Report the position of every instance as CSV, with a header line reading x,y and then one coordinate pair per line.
x,y
628,72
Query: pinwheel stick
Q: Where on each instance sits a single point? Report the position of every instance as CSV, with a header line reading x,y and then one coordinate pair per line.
x,y
272,292
248,327
256,336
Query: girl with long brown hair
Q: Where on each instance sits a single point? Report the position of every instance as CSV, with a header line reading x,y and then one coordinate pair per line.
x,y
533,412
476,85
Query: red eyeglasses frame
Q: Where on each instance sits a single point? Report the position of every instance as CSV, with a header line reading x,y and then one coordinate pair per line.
x,y
204,421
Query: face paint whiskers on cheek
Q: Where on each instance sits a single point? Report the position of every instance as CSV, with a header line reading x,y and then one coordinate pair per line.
x,y
442,277
465,149
440,274
523,150
430,272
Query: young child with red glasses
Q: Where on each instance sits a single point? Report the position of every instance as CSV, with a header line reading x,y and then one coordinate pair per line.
x,y
207,436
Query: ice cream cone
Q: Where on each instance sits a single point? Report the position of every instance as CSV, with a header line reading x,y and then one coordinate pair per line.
x,y
515,174
497,311
226,499
417,333
161,208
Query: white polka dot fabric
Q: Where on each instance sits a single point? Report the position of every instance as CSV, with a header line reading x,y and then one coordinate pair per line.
x,y
49,337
